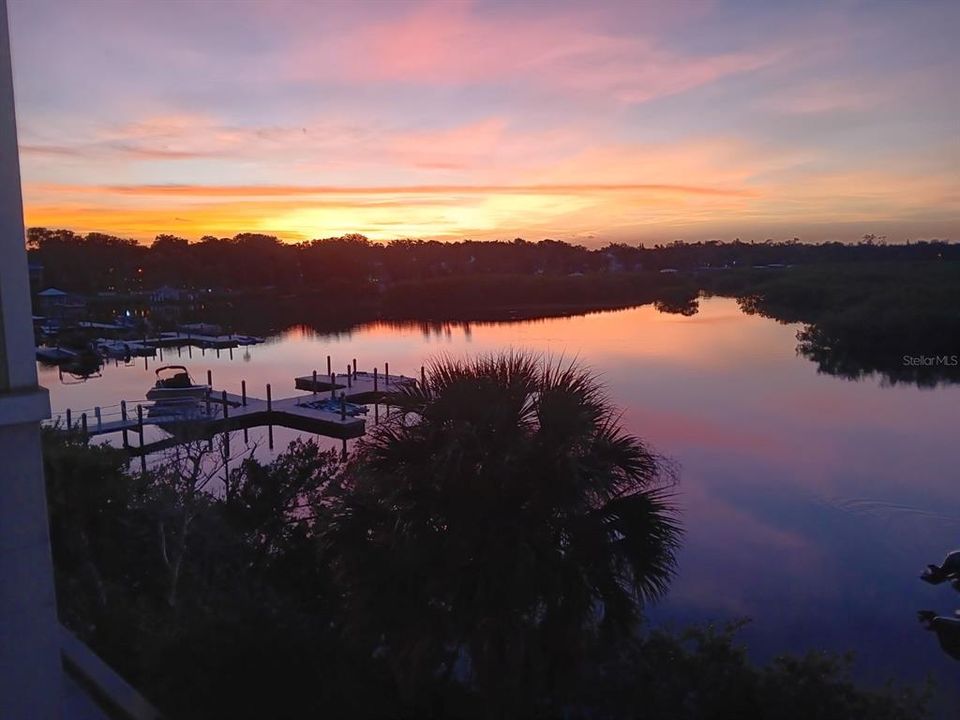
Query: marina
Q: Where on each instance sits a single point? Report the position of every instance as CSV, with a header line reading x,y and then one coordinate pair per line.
x,y
185,410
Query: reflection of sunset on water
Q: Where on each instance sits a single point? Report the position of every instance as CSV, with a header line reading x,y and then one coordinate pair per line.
x,y
804,495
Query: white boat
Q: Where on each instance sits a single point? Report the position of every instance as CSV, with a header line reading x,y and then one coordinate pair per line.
x,y
175,383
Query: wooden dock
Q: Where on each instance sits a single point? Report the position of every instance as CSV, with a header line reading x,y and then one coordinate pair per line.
x,y
223,412
356,386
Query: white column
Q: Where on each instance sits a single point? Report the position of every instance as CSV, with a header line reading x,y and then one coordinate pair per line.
x,y
30,668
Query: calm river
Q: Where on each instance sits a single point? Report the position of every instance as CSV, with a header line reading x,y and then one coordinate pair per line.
x,y
811,503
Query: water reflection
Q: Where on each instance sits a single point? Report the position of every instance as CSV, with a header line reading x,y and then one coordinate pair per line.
x,y
810,502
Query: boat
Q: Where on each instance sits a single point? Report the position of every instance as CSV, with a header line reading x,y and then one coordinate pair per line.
x,y
55,355
333,405
248,339
174,383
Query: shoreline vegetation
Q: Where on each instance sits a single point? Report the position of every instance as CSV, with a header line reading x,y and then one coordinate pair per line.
x,y
867,309
486,553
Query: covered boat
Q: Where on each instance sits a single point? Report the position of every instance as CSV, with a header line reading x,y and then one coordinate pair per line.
x,y
174,382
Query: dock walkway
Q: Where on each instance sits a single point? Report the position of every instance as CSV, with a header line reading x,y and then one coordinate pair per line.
x,y
356,386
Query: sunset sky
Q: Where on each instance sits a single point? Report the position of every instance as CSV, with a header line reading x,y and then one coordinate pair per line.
x,y
589,121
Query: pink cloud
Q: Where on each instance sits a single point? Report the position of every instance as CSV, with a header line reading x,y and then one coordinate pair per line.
x,y
453,44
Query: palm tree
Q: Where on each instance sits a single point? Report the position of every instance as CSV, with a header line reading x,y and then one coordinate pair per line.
x,y
495,526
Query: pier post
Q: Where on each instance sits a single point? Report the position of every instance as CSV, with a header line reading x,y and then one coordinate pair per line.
x,y
343,406
423,379
96,414
143,454
386,373
146,366
333,382
349,379
190,351
231,353
354,368
123,417
314,382
375,379
329,366
269,418
160,350
218,352
226,412
69,421
83,424
343,451
210,379
243,392
179,351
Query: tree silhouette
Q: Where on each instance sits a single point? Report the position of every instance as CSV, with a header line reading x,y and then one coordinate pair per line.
x,y
496,526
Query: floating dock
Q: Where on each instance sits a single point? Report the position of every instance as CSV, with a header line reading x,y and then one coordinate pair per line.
x,y
328,408
355,386
222,412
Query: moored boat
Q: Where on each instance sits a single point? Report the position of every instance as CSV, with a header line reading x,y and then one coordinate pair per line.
x,y
174,382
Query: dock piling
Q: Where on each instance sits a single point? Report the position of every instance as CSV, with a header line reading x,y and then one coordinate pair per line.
x,y
210,379
243,392
314,382
96,414
69,421
333,382
329,366
354,367
269,399
143,454
83,424
160,350
123,417
423,379
226,411
386,373
343,406
375,380
349,378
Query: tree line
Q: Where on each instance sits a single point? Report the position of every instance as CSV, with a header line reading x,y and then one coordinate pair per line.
x,y
98,262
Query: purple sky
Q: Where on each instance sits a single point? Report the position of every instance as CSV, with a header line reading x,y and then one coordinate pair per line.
x,y
584,121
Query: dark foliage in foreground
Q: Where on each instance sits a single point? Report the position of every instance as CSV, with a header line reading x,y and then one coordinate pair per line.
x,y
486,553
498,525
